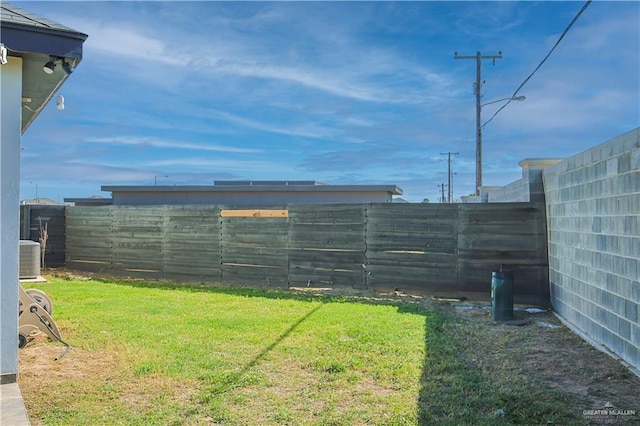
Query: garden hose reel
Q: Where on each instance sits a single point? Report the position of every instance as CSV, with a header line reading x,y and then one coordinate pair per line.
x,y
34,318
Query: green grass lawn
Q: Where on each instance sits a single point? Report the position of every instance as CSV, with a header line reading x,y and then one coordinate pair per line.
x,y
151,353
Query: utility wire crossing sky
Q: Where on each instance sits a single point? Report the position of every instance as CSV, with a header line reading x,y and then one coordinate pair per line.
x,y
515,94
185,93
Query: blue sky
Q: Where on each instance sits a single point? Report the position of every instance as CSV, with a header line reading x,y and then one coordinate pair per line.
x,y
337,92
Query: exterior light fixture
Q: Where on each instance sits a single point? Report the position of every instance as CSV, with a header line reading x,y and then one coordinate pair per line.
x,y
67,67
3,54
49,67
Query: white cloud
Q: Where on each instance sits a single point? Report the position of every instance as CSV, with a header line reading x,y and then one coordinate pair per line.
x,y
114,40
218,164
350,71
160,143
306,130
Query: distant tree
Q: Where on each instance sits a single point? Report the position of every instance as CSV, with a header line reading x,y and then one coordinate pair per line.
x,y
426,200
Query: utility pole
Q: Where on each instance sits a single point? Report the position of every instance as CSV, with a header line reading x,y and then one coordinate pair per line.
x,y
449,174
36,190
442,185
478,92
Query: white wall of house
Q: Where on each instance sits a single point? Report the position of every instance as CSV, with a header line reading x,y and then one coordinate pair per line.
x,y
10,136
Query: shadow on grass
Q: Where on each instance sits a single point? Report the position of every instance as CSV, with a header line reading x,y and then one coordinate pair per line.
x,y
472,376
443,382
236,377
439,353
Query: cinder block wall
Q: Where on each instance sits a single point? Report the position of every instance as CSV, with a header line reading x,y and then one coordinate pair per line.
x,y
527,189
514,192
593,222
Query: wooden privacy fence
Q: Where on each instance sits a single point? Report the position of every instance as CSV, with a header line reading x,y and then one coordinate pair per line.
x,y
32,217
444,250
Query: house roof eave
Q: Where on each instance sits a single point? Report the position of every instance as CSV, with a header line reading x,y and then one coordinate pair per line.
x,y
36,40
392,189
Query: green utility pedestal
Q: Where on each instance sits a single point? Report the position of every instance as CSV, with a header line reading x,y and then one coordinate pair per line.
x,y
501,296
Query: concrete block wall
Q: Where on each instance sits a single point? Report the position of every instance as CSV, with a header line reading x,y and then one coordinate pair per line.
x,y
527,189
513,192
593,223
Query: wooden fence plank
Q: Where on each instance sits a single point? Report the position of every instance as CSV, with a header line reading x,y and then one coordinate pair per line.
x,y
427,245
424,260
88,265
323,213
80,242
412,280
254,275
176,268
314,278
88,256
256,213
264,258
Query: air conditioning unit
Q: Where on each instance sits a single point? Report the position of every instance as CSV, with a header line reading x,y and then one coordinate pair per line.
x,y
29,259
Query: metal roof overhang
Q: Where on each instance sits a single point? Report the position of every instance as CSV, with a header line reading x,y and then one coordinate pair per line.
x,y
90,201
35,45
394,190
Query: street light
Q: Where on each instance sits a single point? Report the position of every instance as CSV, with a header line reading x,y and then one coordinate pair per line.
x,y
479,137
155,179
36,183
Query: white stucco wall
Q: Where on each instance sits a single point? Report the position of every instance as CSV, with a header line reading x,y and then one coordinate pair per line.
x,y
10,113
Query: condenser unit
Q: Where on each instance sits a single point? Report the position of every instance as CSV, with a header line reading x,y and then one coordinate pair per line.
x,y
29,259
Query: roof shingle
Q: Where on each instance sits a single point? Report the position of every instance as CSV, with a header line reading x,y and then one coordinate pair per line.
x,y
12,14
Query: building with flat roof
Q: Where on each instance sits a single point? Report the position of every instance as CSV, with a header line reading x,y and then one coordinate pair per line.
x,y
250,193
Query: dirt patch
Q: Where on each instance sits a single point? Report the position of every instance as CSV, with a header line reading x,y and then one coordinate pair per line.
x,y
45,381
547,351
37,361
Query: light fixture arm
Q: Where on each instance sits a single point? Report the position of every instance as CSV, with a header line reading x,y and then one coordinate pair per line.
x,y
155,179
515,98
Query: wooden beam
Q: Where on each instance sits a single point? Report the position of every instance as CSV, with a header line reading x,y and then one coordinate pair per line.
x,y
254,213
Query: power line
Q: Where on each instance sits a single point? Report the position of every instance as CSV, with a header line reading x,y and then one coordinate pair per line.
x,y
584,7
